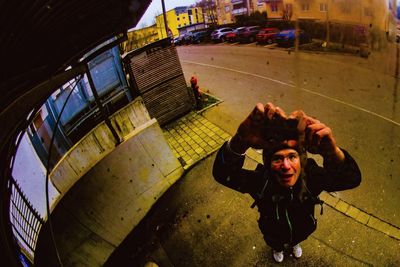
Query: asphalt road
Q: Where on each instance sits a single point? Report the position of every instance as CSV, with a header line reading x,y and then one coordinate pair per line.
x,y
356,97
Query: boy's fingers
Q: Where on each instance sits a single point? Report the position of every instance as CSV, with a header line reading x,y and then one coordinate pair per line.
x,y
280,113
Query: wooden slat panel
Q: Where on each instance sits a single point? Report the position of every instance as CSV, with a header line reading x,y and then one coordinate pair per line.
x,y
159,79
169,100
150,69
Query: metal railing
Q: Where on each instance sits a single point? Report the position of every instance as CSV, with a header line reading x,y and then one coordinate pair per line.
x,y
25,220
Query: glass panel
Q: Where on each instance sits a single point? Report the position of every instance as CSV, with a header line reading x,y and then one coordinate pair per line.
x,y
104,73
75,104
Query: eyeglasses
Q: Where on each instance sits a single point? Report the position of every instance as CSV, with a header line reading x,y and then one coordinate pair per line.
x,y
279,159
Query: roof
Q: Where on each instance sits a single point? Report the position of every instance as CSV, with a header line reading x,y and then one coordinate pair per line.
x,y
180,9
43,37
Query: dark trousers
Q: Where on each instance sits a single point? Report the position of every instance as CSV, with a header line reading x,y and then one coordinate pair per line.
x,y
277,242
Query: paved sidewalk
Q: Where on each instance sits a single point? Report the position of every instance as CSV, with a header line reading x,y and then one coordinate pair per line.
x,y
199,222
193,137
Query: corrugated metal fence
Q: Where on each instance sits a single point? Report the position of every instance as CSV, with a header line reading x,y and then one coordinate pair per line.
x,y
25,220
156,74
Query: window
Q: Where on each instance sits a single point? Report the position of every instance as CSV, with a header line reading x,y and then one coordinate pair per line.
x,y
177,18
274,7
305,7
368,12
226,9
323,7
345,8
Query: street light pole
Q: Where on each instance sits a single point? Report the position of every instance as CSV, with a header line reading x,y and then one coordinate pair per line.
x,y
165,17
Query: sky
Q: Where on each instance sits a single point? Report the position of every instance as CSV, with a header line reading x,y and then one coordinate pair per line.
x,y
156,8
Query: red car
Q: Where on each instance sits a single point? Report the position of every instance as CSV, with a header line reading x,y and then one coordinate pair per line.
x,y
267,35
231,37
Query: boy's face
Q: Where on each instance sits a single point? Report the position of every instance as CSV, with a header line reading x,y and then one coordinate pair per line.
x,y
285,164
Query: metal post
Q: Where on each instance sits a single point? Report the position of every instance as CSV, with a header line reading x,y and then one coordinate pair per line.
x,y
100,106
165,17
248,7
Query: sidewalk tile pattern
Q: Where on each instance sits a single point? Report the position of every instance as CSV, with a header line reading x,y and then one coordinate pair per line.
x,y
193,137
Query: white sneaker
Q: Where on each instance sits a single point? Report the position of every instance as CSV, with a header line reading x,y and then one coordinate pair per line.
x,y
297,251
278,255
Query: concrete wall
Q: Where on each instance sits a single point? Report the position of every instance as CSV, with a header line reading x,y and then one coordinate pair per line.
x,y
97,144
103,201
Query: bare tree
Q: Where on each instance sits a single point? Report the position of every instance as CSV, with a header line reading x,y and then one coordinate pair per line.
x,y
287,13
209,8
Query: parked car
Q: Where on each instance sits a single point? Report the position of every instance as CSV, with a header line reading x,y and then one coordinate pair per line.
x,y
231,36
188,37
267,35
249,34
219,35
288,37
199,37
179,40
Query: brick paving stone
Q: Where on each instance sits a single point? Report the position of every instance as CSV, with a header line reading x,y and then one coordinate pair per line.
x,y
386,228
395,232
323,196
207,139
363,217
191,152
203,144
225,136
212,143
373,223
342,206
195,146
199,150
352,212
331,201
175,145
211,134
208,149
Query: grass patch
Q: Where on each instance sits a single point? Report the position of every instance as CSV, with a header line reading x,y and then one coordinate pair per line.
x,y
208,100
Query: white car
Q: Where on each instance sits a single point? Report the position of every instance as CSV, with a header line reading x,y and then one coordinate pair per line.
x,y
219,34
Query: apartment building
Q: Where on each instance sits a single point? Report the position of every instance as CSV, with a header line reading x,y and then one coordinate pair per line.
x,y
353,12
140,37
178,17
227,10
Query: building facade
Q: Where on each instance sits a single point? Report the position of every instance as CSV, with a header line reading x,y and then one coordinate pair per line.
x,y
227,10
177,18
140,38
371,13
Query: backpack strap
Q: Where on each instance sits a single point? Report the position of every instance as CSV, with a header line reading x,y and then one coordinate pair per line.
x,y
261,194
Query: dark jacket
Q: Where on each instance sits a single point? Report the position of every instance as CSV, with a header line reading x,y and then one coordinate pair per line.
x,y
286,214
